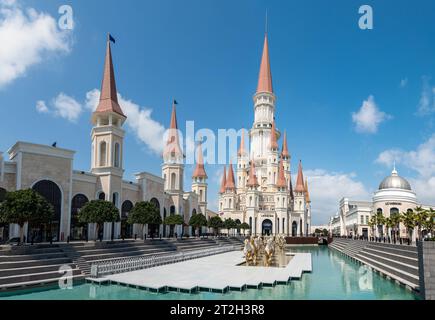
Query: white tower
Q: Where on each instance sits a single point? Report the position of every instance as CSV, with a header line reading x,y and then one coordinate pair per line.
x,y
107,142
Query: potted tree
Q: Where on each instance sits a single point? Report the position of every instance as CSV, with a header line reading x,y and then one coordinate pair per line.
x,y
144,213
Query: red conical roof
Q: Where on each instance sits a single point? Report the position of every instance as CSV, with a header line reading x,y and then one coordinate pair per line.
x,y
281,183
173,144
230,185
300,187
252,179
108,96
285,153
224,181
273,143
199,169
307,193
265,76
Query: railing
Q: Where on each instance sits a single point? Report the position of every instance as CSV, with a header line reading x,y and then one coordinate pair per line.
x,y
120,265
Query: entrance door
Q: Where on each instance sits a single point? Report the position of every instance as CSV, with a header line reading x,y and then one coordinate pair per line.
x,y
266,228
294,229
365,233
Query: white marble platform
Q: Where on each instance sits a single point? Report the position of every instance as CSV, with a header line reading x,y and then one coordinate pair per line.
x,y
215,273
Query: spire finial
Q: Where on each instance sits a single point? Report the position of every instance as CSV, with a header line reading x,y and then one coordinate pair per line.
x,y
265,27
394,172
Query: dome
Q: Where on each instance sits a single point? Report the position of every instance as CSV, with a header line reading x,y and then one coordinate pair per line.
x,y
394,182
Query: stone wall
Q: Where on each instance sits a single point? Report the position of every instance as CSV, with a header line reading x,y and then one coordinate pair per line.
x,y
426,253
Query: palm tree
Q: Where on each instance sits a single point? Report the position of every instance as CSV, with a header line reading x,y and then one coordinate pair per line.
x,y
395,220
389,224
421,215
408,219
372,224
428,224
380,221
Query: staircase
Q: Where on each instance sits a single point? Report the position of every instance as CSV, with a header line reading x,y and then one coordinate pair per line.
x,y
36,266
398,262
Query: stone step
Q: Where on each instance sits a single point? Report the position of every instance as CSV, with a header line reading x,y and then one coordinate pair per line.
x,y
25,257
37,283
35,276
411,269
394,273
31,263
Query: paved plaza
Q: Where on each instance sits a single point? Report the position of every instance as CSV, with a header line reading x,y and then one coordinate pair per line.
x,y
214,273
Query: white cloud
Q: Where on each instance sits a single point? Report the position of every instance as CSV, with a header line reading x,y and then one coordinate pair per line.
x,y
426,104
62,106
422,161
139,120
404,82
41,107
66,107
369,117
27,37
327,188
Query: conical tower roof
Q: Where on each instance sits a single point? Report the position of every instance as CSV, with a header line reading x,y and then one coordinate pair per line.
x,y
109,95
230,185
265,75
224,181
281,183
252,179
199,171
273,144
300,187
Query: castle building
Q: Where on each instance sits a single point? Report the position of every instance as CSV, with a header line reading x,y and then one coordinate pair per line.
x,y
49,171
262,193
393,197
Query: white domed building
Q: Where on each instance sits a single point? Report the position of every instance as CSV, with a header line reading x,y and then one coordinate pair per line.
x,y
394,195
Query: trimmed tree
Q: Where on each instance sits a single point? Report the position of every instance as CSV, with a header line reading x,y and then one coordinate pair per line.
x,y
197,221
25,206
429,223
98,212
144,213
244,226
173,220
229,224
216,223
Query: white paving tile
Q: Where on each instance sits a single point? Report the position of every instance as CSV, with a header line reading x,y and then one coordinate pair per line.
x,y
214,272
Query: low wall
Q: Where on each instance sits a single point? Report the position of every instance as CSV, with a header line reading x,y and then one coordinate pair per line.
x,y
426,258
301,240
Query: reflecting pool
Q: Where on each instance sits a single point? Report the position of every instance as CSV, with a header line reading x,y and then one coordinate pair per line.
x,y
334,277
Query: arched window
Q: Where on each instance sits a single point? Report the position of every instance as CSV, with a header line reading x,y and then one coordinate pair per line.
x,y
115,199
379,211
51,192
193,212
103,155
201,195
250,201
2,194
117,156
101,196
230,203
127,206
394,211
164,181
173,180
409,211
78,230
172,210
156,203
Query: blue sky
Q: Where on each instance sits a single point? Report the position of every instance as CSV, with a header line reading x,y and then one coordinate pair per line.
x,y
206,54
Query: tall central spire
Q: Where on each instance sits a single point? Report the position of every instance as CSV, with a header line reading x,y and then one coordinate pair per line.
x,y
265,76
108,97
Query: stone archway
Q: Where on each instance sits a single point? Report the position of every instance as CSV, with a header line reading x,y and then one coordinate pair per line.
x,y
52,193
267,227
294,229
126,228
78,231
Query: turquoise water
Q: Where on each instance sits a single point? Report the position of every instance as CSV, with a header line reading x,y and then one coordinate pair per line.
x,y
334,277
